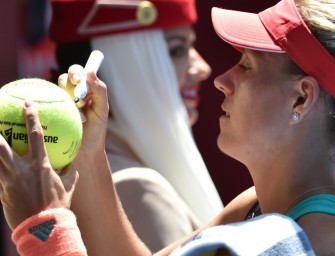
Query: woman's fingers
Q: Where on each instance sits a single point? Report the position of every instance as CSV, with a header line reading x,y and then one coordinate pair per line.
x,y
98,95
66,85
75,74
8,160
37,150
6,157
69,81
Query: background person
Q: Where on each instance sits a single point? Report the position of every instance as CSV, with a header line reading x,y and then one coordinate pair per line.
x,y
153,74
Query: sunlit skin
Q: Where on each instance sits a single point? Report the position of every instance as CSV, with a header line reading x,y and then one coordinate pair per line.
x,y
257,128
250,121
191,68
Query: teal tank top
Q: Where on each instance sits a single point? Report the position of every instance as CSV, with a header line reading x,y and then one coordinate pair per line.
x,y
321,203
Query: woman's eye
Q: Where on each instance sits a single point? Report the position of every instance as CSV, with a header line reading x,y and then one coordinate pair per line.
x,y
243,67
178,52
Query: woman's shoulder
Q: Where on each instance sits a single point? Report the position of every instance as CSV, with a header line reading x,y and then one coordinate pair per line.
x,y
238,209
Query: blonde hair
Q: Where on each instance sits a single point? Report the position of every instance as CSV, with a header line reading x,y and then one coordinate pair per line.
x,y
319,16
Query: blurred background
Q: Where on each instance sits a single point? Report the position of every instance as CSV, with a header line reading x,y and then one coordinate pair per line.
x,y
26,51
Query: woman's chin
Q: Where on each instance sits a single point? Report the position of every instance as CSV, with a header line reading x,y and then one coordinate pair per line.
x,y
193,116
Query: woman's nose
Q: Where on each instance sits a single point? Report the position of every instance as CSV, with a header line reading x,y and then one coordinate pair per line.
x,y
224,83
198,69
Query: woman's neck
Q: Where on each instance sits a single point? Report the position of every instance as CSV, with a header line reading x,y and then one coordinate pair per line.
x,y
281,185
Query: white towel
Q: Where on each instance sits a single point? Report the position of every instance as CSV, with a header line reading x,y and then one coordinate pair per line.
x,y
268,234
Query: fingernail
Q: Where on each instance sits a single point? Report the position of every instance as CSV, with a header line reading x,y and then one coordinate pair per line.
x,y
28,103
76,77
95,76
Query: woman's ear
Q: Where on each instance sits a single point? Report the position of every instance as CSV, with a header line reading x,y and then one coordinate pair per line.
x,y
308,94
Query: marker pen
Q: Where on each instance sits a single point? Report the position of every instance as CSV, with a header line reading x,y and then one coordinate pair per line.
x,y
92,64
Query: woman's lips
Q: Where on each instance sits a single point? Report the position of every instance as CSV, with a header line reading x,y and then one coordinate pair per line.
x,y
190,94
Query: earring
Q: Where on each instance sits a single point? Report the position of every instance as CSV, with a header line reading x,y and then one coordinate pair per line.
x,y
296,116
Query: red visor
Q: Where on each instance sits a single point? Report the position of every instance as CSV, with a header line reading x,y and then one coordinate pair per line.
x,y
74,20
278,29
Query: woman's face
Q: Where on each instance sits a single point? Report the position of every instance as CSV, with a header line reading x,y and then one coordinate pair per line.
x,y
257,106
190,67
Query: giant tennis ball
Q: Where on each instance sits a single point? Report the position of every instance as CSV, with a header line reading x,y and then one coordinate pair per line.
x,y
58,114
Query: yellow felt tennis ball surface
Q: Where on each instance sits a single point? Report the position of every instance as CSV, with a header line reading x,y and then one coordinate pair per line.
x,y
58,114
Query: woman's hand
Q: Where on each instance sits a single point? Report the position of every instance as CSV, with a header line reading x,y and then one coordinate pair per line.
x,y
94,108
95,203
28,184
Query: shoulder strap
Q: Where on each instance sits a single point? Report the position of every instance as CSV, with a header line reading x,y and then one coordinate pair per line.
x,y
321,203
254,211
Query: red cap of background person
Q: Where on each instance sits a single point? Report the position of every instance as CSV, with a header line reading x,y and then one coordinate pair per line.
x,y
74,20
279,28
